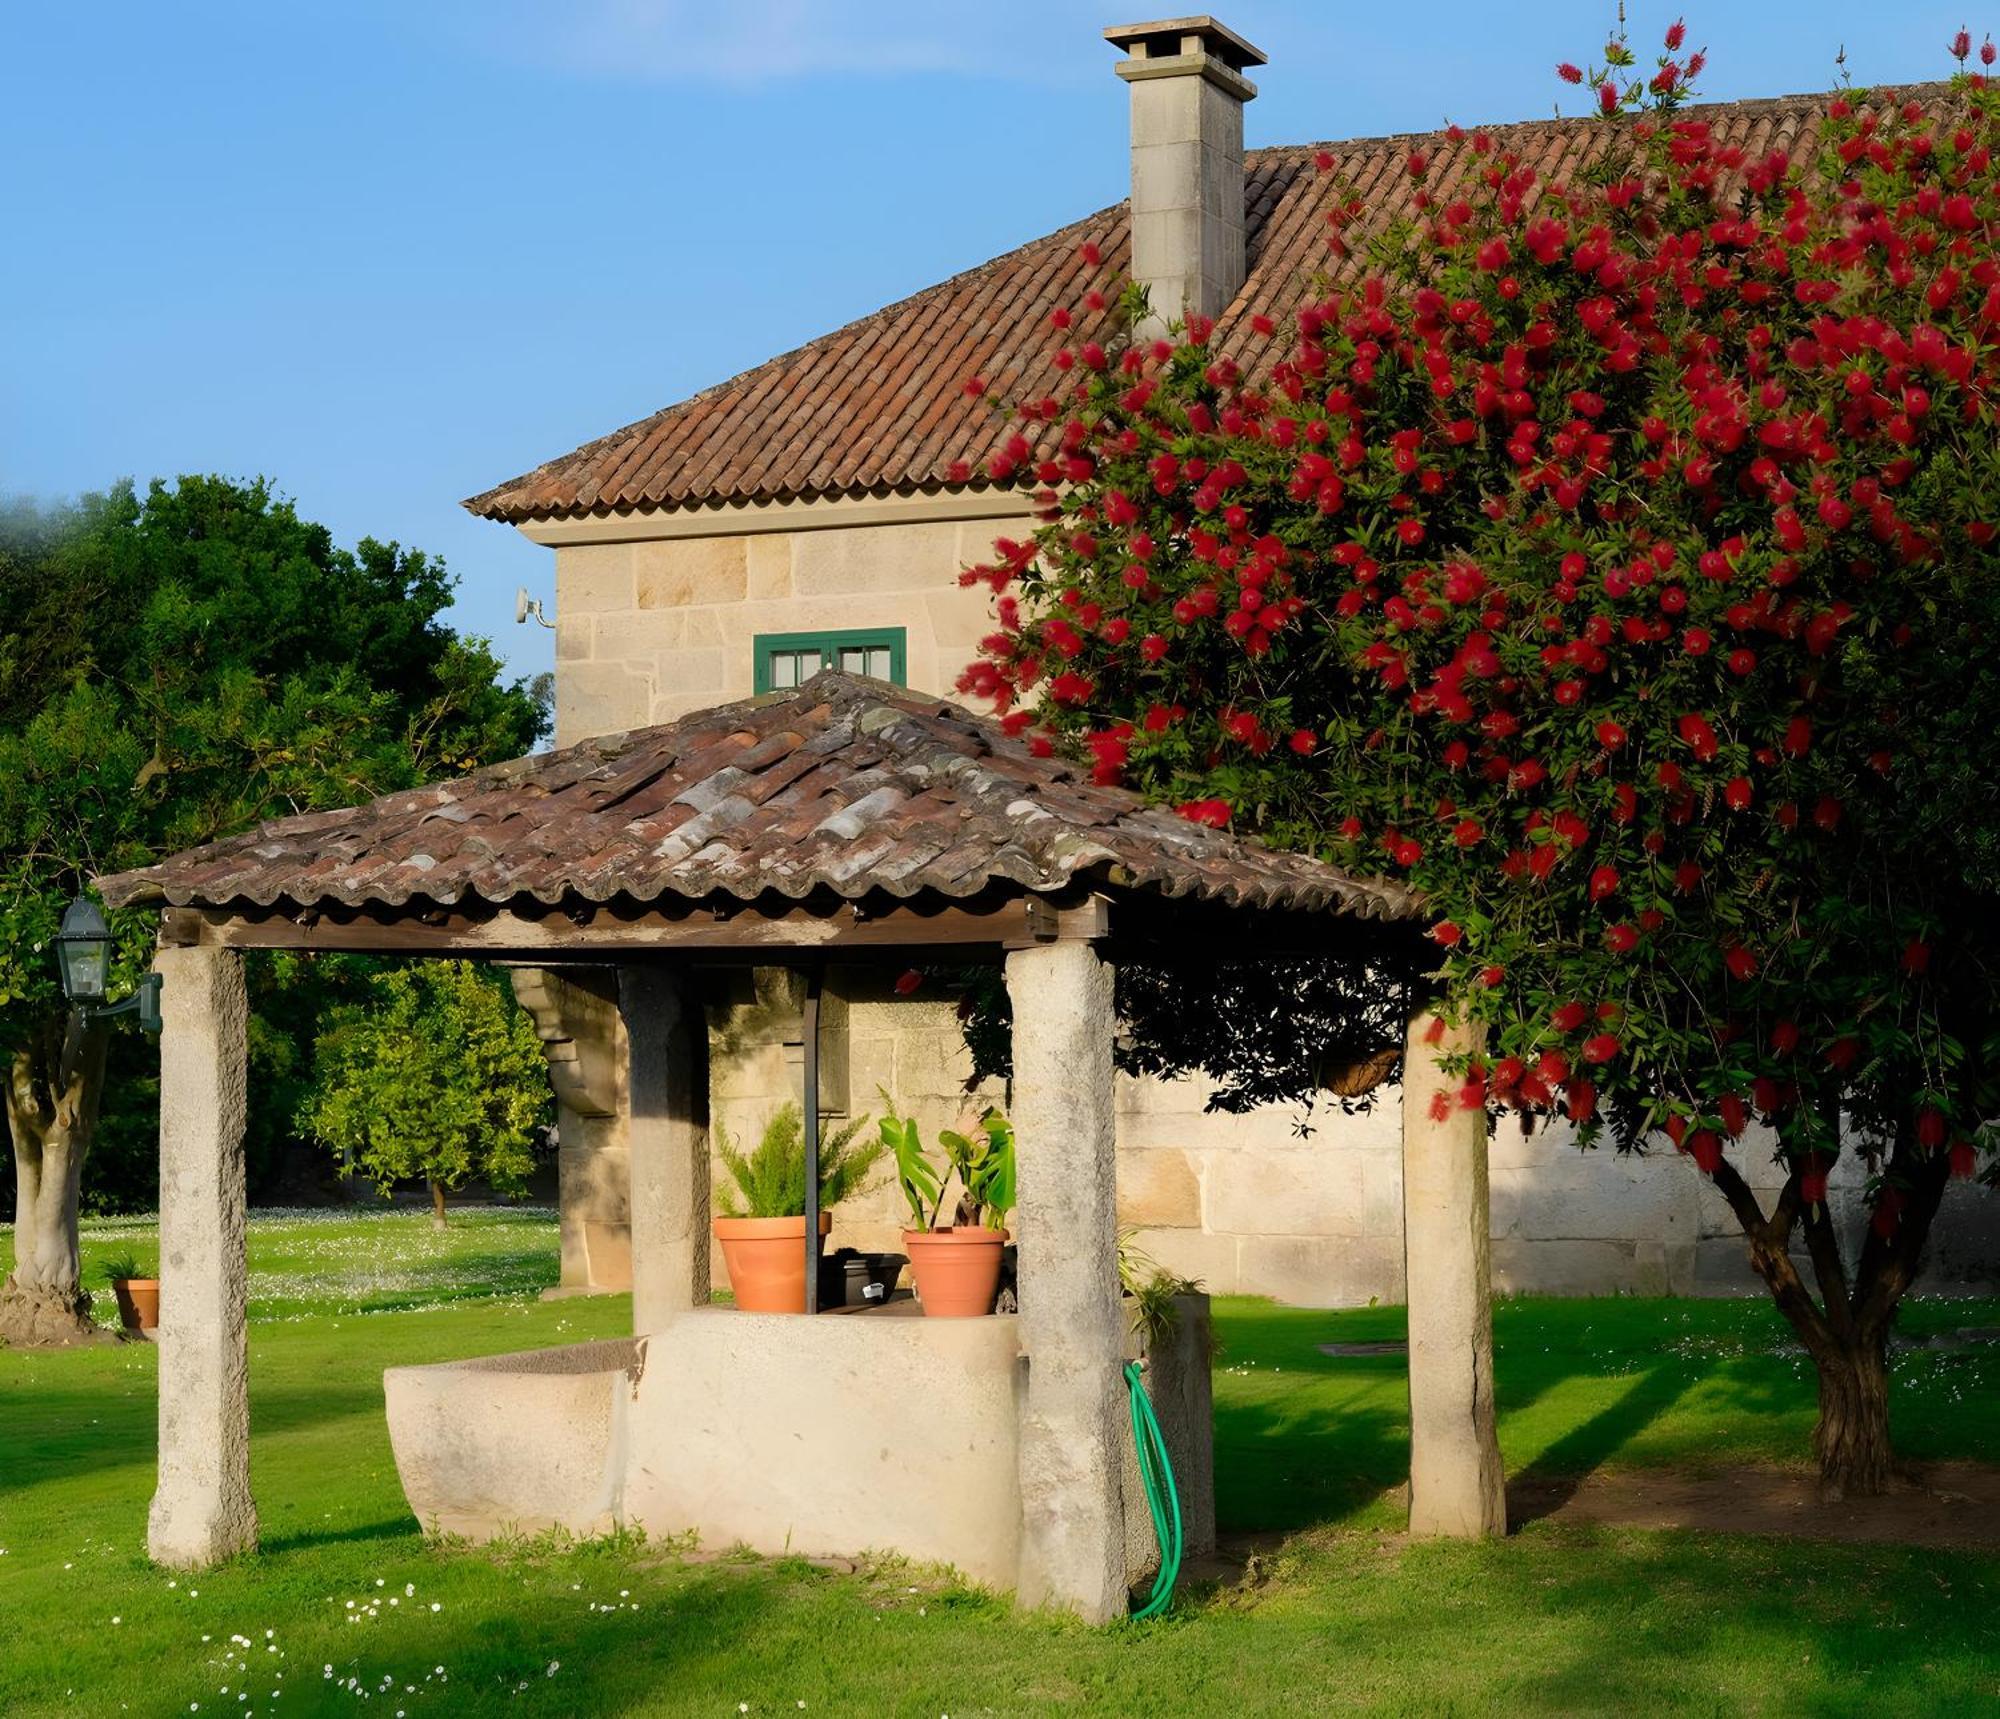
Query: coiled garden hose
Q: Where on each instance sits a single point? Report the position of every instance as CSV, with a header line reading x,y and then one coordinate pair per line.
x,y
1163,1499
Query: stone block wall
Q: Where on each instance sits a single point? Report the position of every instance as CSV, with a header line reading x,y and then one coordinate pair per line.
x,y
649,630
1306,1210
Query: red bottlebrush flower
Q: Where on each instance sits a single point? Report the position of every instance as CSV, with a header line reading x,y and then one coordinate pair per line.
x,y
1152,647
1446,933
974,386
1603,882
1931,1130
1323,160
1600,1047
1467,832
1567,1017
1607,98
907,985
1304,741
1687,876
1888,1212
1916,956
1964,1160
1695,731
1785,1038
1960,44
1553,1067
1738,794
1705,1147
1742,964
1582,1100
1610,736
1812,1178
1071,688
1696,640
1213,813
1676,34
1986,52
1491,977
1735,1117
1827,813
1569,74
1410,531
1798,737
1841,1054
1089,252
1622,939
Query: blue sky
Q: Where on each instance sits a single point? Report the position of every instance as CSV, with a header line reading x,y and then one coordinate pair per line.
x,y
389,252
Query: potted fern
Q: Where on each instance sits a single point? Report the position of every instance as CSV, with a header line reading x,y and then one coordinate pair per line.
x,y
762,1226
956,1265
138,1293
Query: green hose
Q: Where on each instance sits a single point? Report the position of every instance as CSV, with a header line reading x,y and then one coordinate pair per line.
x,y
1163,1498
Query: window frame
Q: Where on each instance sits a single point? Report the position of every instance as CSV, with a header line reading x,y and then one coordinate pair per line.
x,y
829,643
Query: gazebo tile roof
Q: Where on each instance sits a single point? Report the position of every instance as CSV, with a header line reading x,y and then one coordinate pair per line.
x,y
847,786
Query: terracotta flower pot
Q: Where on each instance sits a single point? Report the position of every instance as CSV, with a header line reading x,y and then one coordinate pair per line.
x,y
766,1261
138,1302
957,1269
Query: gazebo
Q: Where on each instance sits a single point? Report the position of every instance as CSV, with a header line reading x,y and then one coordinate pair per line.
x,y
846,820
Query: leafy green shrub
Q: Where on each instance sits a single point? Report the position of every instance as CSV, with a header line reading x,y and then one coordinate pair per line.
x,y
771,1181
123,1268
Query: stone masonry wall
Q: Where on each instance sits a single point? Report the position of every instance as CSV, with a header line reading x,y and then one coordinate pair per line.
x,y
1253,1205
648,631
652,628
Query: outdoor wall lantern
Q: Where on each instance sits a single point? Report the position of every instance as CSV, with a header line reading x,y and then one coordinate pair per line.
x,y
83,956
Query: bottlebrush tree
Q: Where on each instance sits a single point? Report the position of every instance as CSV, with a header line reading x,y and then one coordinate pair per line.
x,y
1610,558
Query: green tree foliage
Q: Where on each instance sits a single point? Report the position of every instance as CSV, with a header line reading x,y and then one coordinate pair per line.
x,y
175,666
434,1072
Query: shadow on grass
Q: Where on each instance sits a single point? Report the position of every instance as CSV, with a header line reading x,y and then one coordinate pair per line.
x,y
1563,1466
302,1540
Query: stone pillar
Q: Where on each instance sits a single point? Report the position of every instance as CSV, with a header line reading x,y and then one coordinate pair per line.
x,y
1074,1417
1457,1486
202,1511
667,1086
575,1011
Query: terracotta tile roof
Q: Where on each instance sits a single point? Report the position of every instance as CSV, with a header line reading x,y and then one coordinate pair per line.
x,y
847,786
879,406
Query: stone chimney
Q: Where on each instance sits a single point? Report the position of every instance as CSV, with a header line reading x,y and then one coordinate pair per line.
x,y
1188,91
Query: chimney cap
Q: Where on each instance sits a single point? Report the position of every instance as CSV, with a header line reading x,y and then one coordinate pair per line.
x,y
1163,39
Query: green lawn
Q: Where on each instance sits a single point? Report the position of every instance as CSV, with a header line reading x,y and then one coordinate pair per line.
x,y
1343,1615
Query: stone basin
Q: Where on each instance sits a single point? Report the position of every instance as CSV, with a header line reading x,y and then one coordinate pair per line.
x,y
515,1444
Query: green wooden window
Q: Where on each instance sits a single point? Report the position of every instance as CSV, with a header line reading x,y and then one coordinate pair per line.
x,y
786,660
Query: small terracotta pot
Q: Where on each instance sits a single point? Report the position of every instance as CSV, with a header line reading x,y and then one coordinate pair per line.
x,y
138,1302
766,1261
957,1269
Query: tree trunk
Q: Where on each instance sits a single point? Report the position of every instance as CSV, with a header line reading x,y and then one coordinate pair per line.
x,y
1846,1331
53,1086
1851,1441
437,1204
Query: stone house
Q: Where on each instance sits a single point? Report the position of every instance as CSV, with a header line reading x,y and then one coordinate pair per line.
x,y
816,511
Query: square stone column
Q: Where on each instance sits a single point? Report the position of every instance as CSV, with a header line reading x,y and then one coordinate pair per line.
x,y
202,1511
667,1089
1074,1414
1457,1485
